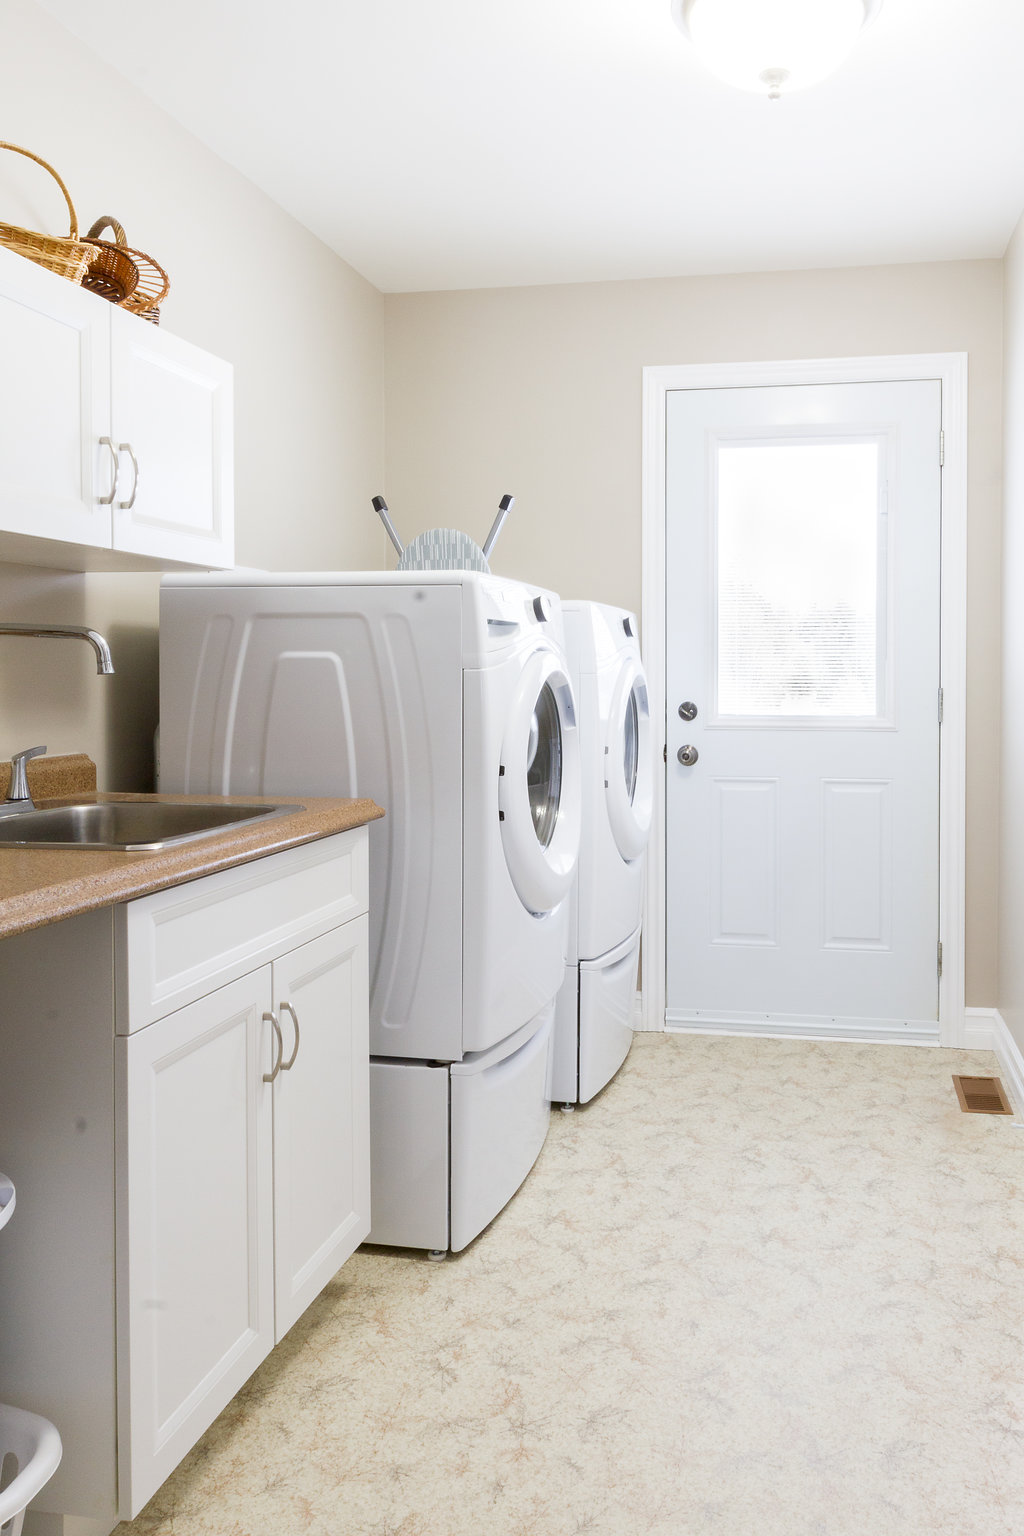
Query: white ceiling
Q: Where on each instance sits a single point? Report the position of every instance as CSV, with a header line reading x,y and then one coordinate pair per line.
x,y
481,143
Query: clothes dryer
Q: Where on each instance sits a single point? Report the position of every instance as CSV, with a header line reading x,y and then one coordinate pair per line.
x,y
445,697
593,1014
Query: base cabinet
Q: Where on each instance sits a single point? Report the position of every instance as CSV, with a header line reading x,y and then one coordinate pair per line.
x,y
243,1176
235,1124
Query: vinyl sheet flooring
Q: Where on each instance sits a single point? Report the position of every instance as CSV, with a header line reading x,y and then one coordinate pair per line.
x,y
757,1286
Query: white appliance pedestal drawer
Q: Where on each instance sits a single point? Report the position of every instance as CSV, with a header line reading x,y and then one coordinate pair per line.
x,y
607,990
450,1145
500,1118
594,1023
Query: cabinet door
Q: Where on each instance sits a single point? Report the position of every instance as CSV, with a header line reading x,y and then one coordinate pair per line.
x,y
54,408
172,408
195,1224
321,1115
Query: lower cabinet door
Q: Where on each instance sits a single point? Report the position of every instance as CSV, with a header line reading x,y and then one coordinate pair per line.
x,y
321,1114
195,1224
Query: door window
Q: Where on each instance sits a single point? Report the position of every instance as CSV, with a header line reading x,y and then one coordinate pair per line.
x,y
544,766
627,753
631,744
801,575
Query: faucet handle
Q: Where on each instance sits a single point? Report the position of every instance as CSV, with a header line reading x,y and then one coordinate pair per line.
x,y
18,788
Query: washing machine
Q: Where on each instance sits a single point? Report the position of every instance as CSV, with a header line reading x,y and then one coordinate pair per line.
x,y
445,697
594,1009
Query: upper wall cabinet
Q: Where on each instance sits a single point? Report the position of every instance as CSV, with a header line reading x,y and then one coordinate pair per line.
x,y
115,438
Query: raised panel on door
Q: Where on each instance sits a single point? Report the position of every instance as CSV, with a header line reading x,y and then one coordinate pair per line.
x,y
172,407
744,906
321,1114
195,1224
857,872
54,408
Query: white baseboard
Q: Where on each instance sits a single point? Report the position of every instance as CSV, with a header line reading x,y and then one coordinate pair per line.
x,y
37,1524
637,1019
804,1027
985,1029
980,1028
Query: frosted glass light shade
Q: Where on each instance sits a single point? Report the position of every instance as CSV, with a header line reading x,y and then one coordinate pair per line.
x,y
771,46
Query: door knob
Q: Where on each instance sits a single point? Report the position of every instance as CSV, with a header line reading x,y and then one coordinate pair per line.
x,y
687,711
687,756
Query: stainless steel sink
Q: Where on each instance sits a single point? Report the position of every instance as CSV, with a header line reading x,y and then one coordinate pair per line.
x,y
129,826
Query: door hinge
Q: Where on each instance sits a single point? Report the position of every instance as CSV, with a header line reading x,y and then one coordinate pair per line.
x,y
664,753
942,449
938,959
940,706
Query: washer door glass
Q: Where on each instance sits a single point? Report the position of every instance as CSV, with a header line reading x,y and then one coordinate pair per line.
x,y
629,792
539,796
630,745
544,766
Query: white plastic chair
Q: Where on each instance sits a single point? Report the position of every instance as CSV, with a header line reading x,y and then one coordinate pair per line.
x,y
35,1445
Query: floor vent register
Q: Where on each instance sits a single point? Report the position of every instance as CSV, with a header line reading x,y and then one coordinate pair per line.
x,y
981,1096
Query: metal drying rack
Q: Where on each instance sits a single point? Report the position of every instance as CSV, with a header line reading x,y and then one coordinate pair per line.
x,y
443,549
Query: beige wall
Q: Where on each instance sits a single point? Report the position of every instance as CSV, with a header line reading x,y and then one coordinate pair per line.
x,y
538,391
303,330
534,391
1011,895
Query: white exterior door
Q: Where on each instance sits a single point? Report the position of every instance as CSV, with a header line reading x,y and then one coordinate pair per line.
x,y
802,603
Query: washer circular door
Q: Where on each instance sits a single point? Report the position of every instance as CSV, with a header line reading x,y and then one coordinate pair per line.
x,y
539,785
629,787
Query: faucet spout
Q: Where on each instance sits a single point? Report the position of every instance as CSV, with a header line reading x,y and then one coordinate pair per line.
x,y
104,664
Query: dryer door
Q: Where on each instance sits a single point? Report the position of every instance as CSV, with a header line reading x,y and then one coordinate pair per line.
x,y
629,789
539,784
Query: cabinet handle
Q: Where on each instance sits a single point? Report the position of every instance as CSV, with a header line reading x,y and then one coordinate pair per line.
x,y
287,1008
105,501
268,1077
127,448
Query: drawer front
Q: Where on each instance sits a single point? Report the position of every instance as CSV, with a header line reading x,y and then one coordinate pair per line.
x,y
178,944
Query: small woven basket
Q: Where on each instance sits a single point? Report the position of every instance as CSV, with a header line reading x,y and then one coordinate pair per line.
x,y
66,255
112,272
151,284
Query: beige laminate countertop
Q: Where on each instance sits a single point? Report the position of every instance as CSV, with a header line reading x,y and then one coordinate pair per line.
x,y
40,886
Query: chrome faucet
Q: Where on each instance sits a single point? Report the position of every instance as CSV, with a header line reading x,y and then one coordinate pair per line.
x,y
18,797
104,665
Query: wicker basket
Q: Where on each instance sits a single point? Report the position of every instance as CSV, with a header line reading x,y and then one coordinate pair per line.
x,y
112,272
64,254
152,283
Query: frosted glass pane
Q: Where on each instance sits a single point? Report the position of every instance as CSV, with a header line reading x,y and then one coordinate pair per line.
x,y
798,562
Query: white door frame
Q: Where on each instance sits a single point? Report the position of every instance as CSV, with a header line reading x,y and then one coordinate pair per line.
x,y
950,368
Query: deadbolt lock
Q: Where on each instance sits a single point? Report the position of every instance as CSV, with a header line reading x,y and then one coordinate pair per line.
x,y
687,711
687,756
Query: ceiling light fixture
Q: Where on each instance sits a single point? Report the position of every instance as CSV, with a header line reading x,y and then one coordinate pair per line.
x,y
770,46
